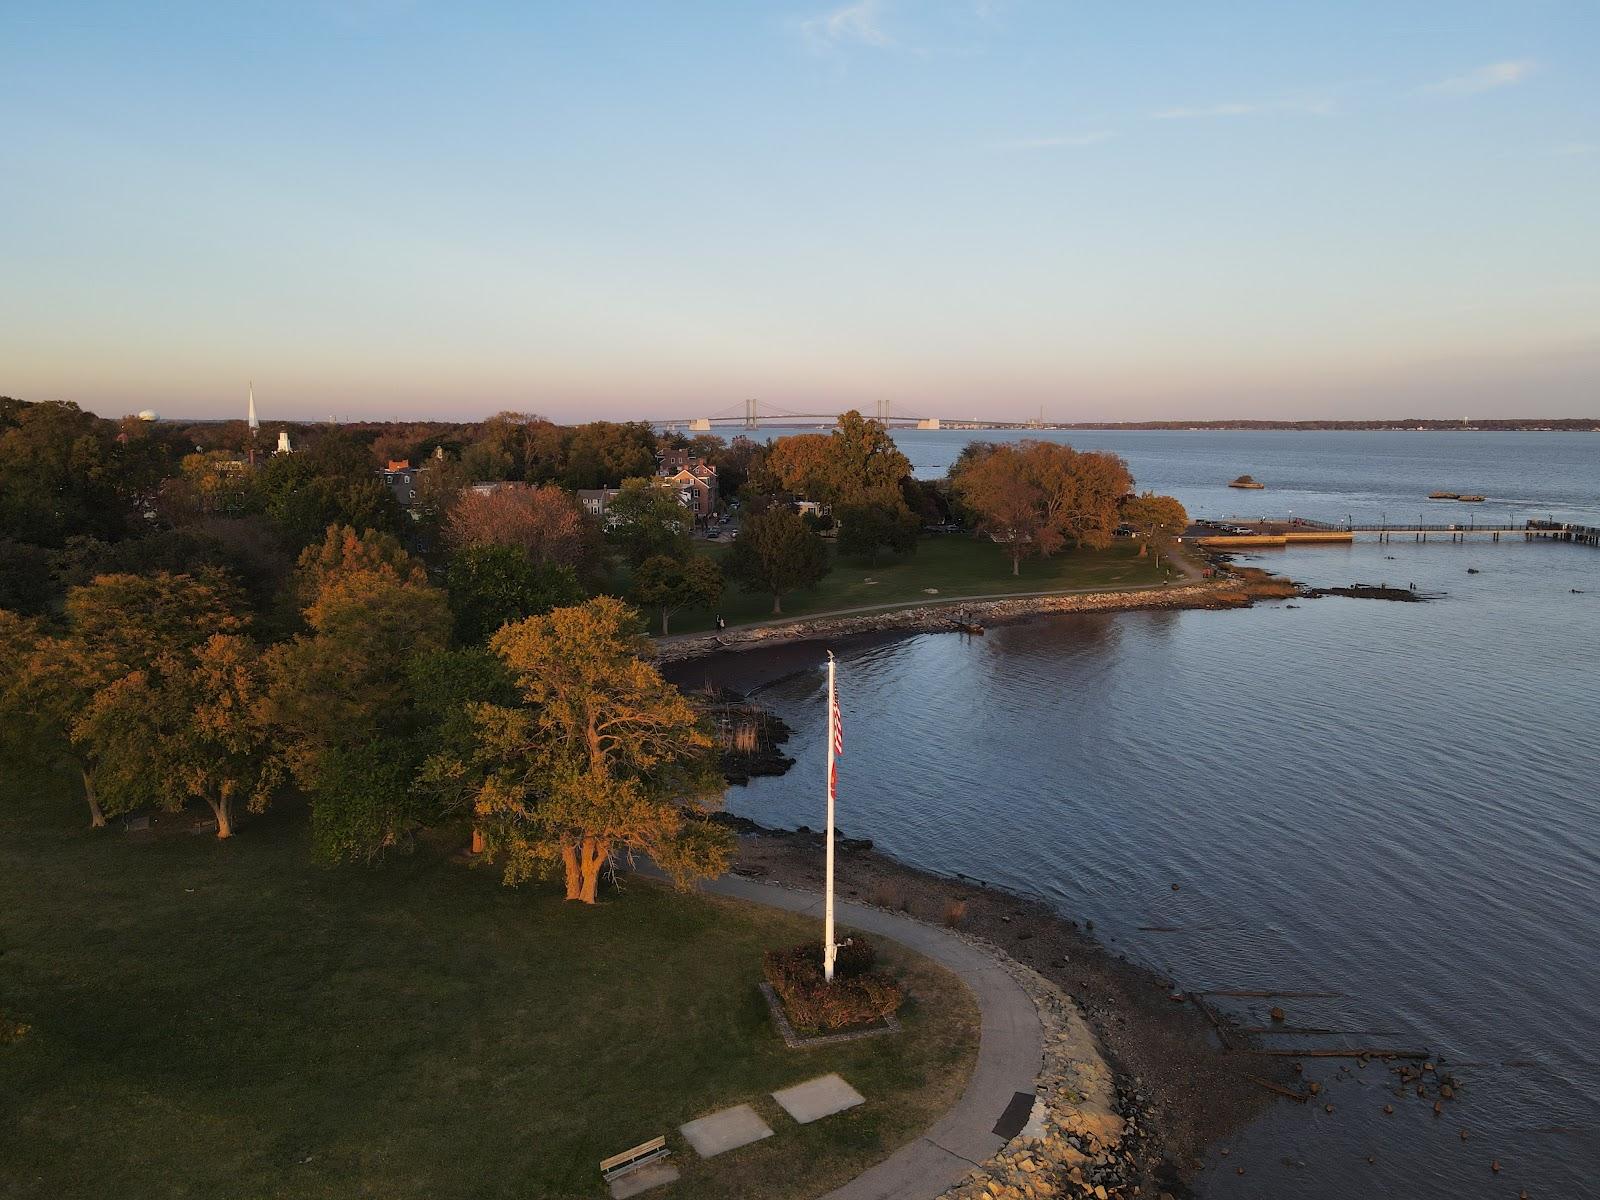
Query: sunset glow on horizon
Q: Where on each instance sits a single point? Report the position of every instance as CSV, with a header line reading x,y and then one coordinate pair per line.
x,y
398,208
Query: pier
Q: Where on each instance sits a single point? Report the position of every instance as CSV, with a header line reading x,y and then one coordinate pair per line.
x,y
1300,530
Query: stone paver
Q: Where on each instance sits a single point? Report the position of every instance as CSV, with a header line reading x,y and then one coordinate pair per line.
x,y
725,1130
642,1179
817,1098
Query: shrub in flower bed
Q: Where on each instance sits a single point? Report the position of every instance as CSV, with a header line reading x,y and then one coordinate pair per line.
x,y
857,996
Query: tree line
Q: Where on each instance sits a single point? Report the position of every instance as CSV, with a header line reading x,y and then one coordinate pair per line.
x,y
183,625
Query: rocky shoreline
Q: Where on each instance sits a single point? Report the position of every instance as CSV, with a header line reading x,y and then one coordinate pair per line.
x,y
1138,1129
1211,593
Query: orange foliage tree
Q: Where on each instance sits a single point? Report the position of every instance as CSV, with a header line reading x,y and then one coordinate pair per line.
x,y
188,726
546,522
602,755
116,625
1036,497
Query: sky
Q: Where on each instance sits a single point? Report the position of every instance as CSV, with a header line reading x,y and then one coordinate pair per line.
x,y
1167,209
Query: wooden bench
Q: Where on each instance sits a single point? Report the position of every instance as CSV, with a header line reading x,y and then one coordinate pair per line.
x,y
628,1160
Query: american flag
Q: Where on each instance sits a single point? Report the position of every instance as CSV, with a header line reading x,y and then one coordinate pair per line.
x,y
836,731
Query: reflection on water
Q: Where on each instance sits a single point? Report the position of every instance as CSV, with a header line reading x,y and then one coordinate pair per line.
x,y
1397,803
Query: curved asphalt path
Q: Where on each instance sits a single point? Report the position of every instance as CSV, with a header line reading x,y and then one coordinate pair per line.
x,y
1010,1048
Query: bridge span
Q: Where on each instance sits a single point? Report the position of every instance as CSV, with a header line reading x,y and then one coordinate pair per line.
x,y
754,414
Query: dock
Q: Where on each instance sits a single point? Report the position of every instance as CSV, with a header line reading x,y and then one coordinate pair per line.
x,y
1297,531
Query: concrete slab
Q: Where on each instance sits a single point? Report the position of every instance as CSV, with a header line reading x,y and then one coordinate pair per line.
x,y
817,1098
725,1130
642,1179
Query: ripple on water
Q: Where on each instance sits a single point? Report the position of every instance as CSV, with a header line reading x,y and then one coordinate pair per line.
x,y
1395,802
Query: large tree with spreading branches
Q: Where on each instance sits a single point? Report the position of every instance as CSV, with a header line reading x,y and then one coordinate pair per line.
x,y
601,755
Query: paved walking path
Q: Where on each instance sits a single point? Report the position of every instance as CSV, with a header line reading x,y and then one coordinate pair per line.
x,y
1010,1049
922,602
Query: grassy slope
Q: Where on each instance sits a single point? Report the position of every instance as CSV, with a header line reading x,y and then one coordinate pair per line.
x,y
225,1019
956,566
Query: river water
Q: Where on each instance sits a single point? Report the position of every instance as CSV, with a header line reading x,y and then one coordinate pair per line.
x,y
1397,803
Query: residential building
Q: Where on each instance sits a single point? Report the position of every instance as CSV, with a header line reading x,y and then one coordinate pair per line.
x,y
402,480
695,479
595,501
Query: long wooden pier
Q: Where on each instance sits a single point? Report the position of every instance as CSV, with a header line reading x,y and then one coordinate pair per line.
x,y
1302,531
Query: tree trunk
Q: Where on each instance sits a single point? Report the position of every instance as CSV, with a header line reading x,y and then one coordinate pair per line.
x,y
569,863
663,622
222,809
97,816
1016,564
777,605
595,853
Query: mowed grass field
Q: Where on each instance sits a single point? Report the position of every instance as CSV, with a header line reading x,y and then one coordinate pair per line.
x,y
227,1019
952,565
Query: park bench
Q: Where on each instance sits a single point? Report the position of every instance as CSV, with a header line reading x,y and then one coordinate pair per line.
x,y
629,1160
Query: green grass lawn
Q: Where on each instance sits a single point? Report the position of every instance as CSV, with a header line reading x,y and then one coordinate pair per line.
x,y
226,1019
954,565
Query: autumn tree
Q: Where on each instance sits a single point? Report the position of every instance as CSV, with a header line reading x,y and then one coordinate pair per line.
x,y
189,726
601,755
645,519
490,585
115,626
339,698
777,553
1083,489
604,453
1010,507
345,552
800,465
1156,519
546,523
856,463
211,483
668,584
1035,498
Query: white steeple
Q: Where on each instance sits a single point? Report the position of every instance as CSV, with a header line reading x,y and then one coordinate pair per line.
x,y
251,419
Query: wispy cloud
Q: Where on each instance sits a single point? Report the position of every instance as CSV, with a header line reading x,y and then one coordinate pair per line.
x,y
1092,138
1238,108
1485,78
1576,149
1226,109
861,22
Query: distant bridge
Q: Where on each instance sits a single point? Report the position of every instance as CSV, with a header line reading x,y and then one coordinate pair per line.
x,y
753,414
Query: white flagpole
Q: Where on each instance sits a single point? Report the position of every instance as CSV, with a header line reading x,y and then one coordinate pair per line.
x,y
828,948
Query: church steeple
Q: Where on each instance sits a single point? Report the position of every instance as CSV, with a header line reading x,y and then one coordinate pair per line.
x,y
250,419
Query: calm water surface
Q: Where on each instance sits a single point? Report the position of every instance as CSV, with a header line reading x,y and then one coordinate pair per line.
x,y
1398,803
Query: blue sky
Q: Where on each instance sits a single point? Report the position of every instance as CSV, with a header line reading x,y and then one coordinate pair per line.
x,y
969,207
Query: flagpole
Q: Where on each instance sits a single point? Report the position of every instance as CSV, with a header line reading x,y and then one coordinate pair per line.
x,y
828,948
